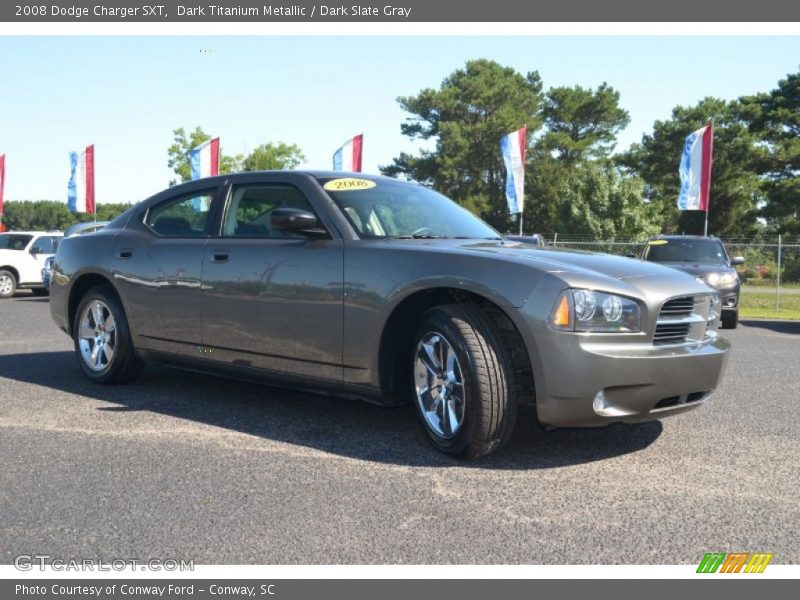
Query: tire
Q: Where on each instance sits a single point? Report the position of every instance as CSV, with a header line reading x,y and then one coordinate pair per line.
x,y
40,292
480,419
730,319
8,284
100,321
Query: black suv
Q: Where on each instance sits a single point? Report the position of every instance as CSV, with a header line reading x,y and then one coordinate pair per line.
x,y
706,258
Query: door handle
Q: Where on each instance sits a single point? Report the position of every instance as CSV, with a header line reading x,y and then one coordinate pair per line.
x,y
219,257
125,253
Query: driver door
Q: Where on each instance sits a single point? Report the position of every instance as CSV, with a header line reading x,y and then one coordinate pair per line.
x,y
272,300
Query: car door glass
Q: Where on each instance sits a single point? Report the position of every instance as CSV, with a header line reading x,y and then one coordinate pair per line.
x,y
183,216
43,245
250,209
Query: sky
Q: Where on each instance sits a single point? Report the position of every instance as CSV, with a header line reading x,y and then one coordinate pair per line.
x,y
127,94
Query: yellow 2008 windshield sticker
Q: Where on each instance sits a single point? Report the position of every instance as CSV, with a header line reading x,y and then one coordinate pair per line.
x,y
348,184
657,242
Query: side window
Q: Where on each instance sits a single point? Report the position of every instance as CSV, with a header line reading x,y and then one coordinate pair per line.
x,y
44,245
250,209
184,216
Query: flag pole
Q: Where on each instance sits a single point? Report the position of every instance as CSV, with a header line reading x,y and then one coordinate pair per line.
x,y
711,160
522,199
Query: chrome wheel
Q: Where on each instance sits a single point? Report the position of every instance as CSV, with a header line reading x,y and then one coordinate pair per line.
x,y
97,338
439,385
6,284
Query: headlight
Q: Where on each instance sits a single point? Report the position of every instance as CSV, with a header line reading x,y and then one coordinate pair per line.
x,y
721,279
713,312
594,312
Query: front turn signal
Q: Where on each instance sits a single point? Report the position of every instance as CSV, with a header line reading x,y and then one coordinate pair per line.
x,y
562,313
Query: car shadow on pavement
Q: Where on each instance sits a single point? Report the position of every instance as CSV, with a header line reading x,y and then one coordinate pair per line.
x,y
343,427
776,326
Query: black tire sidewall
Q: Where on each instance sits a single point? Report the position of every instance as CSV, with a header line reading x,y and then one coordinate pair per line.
x,y
439,321
730,319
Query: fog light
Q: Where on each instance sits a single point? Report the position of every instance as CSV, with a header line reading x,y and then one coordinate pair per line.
x,y
599,403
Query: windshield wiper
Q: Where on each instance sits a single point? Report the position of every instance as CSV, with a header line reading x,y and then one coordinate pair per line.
x,y
418,236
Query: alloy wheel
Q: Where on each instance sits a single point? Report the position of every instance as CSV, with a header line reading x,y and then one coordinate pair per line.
x,y
97,337
439,384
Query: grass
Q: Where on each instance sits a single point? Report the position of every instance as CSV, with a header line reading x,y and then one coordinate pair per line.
x,y
759,304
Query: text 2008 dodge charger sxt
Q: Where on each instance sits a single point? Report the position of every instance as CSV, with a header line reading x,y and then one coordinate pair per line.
x,y
373,287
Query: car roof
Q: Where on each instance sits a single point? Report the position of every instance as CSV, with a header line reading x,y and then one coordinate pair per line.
x,y
315,173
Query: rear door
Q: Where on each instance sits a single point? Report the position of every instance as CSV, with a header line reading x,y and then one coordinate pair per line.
x,y
272,300
158,261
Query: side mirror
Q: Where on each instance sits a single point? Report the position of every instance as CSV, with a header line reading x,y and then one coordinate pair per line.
x,y
737,260
295,220
36,250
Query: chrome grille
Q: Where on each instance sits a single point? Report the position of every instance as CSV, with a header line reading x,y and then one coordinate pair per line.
x,y
677,307
671,333
684,319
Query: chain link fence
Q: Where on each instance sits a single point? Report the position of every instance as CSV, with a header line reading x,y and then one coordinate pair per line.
x,y
771,267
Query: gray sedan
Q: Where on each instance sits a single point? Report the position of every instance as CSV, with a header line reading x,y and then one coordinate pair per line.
x,y
370,287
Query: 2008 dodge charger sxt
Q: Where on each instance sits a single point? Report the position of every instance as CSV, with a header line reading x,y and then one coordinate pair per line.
x,y
371,287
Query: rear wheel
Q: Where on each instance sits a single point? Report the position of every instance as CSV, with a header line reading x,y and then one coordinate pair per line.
x,y
463,381
730,319
8,284
102,338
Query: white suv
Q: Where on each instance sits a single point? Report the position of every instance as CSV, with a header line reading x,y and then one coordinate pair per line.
x,y
22,256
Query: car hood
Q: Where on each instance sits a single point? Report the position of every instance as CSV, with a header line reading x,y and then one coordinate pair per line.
x,y
566,260
578,268
698,269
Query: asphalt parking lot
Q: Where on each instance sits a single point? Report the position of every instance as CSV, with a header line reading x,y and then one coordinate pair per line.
x,y
184,466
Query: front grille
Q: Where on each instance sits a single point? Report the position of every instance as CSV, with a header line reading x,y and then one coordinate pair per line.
x,y
676,400
684,319
677,307
671,333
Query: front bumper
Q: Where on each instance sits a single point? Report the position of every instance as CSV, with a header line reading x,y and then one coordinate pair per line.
x,y
583,383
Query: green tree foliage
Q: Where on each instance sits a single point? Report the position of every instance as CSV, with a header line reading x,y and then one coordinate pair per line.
x,y
735,184
582,124
469,113
178,154
596,200
775,118
49,215
268,157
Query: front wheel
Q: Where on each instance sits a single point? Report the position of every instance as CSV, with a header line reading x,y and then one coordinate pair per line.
x,y
463,381
102,338
8,284
730,319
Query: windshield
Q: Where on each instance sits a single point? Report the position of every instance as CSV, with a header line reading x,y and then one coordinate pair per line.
x,y
387,209
705,251
14,242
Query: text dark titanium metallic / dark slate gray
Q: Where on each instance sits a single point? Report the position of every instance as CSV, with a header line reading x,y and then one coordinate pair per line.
x,y
370,287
